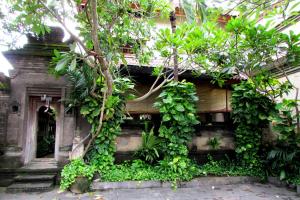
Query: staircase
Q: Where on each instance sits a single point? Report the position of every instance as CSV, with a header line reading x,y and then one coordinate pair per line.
x,y
38,176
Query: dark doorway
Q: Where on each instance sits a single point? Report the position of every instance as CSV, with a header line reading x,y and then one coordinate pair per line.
x,y
46,133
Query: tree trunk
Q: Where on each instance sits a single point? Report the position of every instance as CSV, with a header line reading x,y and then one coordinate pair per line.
x,y
175,54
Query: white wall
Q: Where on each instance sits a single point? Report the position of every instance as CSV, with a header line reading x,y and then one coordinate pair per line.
x,y
295,79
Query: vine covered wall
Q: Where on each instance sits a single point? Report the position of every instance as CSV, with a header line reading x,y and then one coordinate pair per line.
x,y
250,112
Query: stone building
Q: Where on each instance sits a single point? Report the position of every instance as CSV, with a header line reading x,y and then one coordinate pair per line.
x,y
34,123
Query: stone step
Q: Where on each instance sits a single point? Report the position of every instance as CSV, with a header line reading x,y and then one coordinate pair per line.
x,y
30,178
37,171
40,167
30,187
43,161
37,176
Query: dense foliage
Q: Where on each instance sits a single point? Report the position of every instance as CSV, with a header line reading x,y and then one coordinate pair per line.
x,y
229,168
284,157
243,49
73,170
140,171
177,105
150,148
102,153
250,111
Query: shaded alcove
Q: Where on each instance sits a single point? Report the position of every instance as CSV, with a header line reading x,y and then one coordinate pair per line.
x,y
45,133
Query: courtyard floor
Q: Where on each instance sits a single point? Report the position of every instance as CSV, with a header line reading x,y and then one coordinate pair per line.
x,y
225,192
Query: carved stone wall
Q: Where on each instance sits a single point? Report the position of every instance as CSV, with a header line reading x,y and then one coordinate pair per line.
x,y
4,106
4,109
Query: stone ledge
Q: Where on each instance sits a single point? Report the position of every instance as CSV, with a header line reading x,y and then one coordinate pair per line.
x,y
277,182
197,182
125,185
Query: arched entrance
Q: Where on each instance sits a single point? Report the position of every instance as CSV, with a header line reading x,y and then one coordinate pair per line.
x,y
46,130
43,122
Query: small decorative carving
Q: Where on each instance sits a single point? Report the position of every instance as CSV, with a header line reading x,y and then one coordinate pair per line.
x,y
15,107
77,148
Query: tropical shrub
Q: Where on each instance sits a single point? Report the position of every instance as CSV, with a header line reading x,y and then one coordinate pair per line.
x,y
284,158
177,168
228,168
74,169
149,151
295,180
214,143
139,170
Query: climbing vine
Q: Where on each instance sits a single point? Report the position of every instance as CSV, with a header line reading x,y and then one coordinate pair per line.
x,y
177,105
102,152
250,111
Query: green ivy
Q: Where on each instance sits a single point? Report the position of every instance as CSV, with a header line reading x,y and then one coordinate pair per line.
x,y
177,105
73,170
295,180
250,111
139,170
228,168
102,152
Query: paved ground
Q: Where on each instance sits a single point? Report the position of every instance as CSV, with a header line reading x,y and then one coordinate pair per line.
x,y
226,192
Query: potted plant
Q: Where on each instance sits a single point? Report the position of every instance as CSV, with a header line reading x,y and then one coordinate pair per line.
x,y
77,176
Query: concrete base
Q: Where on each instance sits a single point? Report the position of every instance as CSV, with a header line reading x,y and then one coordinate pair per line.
x,y
298,189
276,181
254,191
6,180
10,161
198,182
30,187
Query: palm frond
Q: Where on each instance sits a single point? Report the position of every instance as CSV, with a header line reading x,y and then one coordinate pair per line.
x,y
81,82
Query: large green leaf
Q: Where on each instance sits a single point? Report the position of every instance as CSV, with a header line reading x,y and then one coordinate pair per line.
x,y
63,63
179,108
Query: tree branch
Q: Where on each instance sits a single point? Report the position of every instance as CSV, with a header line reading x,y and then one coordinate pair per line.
x,y
100,57
152,89
100,124
58,19
175,53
